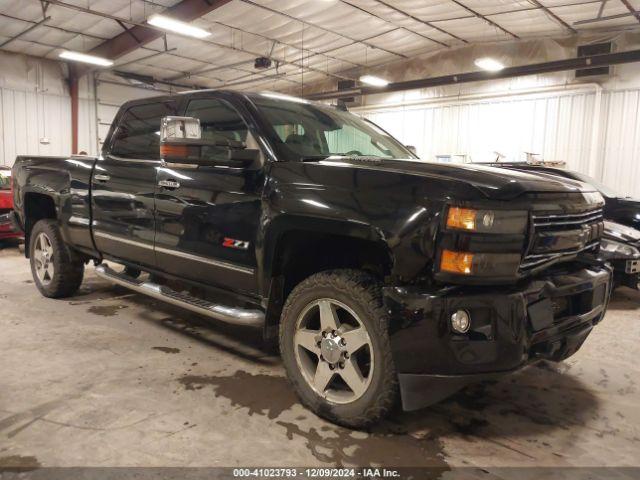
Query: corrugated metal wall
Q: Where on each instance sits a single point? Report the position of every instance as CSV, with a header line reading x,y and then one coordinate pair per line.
x,y
620,154
558,125
28,119
110,95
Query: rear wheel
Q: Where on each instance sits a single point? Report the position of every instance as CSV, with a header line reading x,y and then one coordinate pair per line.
x,y
56,271
335,348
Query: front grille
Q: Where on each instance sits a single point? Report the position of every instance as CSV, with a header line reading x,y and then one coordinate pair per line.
x,y
579,232
566,221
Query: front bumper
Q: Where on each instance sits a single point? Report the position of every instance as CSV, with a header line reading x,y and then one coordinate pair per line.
x,y
626,271
544,318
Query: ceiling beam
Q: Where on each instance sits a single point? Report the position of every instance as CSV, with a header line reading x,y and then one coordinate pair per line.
x,y
424,22
554,16
593,61
24,32
489,21
319,27
631,9
357,7
170,52
146,27
139,34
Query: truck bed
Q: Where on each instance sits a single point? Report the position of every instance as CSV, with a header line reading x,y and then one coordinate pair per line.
x,y
37,180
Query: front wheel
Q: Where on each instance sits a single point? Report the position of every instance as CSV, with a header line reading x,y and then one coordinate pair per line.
x,y
56,272
335,347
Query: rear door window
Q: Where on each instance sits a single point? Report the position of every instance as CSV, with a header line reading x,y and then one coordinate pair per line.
x,y
5,179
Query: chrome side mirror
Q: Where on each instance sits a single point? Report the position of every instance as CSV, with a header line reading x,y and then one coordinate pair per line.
x,y
181,142
412,149
180,130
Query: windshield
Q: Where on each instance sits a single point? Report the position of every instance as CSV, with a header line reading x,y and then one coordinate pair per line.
x,y
606,191
5,179
303,130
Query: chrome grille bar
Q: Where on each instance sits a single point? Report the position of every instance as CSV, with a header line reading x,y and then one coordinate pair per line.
x,y
538,259
568,219
562,222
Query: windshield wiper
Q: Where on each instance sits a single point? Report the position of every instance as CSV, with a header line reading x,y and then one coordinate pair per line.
x,y
364,158
314,158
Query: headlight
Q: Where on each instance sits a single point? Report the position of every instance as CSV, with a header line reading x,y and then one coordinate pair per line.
x,y
480,264
621,232
617,248
487,221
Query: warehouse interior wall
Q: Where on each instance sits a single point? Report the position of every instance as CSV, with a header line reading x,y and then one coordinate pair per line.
x,y
590,129
35,107
591,124
35,112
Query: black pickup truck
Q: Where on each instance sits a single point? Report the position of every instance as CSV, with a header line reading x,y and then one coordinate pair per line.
x,y
383,277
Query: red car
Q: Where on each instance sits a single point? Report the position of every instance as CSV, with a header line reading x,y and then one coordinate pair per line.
x,y
6,205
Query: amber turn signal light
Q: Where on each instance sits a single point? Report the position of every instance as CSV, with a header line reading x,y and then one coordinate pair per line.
x,y
462,218
177,151
456,262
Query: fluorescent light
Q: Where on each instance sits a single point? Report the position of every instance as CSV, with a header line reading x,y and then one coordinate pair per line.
x,y
177,26
83,57
374,81
489,64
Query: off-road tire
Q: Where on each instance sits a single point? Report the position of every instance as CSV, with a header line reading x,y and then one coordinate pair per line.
x,y
68,268
361,292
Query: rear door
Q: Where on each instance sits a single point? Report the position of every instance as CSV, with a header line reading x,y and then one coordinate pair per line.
x,y
207,217
123,185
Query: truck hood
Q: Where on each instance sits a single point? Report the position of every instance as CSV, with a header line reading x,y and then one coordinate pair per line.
x,y
494,183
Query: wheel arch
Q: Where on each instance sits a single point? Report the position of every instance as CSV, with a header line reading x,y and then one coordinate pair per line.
x,y
37,206
297,247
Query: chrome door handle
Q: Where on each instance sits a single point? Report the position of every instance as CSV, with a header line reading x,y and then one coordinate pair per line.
x,y
170,184
102,178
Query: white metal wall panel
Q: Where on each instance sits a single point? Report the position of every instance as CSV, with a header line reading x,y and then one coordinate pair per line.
x,y
87,125
621,151
557,126
27,118
110,97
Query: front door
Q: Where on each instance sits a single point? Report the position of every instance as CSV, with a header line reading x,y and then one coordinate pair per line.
x,y
207,217
123,185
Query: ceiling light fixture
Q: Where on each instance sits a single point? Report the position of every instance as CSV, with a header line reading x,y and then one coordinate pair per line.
x,y
176,26
374,81
84,58
489,64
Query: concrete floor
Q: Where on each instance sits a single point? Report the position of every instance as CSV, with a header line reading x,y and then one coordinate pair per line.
x,y
110,378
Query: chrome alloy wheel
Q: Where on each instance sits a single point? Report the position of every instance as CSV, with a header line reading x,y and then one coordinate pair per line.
x,y
43,258
333,351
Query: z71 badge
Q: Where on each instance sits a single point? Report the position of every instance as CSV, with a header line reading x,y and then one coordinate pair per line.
x,y
233,243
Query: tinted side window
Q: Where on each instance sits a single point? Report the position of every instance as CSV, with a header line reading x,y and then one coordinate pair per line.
x,y
138,133
220,123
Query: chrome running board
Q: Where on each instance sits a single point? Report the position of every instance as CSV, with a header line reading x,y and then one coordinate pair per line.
x,y
234,315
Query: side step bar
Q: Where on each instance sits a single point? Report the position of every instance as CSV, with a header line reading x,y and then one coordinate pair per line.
x,y
237,316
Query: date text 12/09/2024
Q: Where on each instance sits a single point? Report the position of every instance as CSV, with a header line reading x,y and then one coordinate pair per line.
x,y
370,473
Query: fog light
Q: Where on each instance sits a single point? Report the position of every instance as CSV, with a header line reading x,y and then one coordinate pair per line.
x,y
460,321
